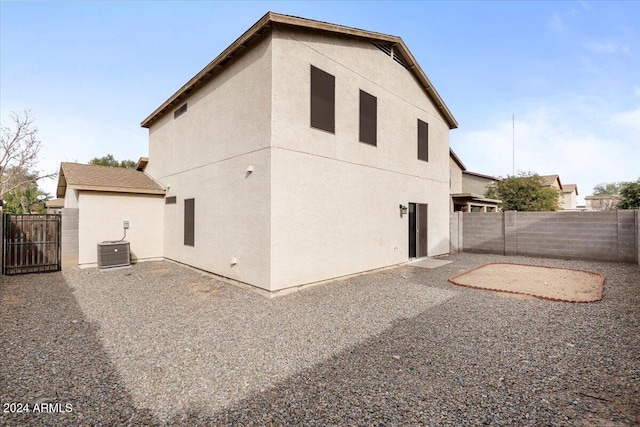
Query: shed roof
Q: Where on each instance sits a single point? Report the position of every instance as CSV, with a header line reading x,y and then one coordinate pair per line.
x,y
105,178
270,19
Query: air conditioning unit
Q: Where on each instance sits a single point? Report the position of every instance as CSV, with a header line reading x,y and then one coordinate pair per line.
x,y
113,254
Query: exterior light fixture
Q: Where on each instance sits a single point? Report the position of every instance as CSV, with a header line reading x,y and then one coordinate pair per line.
x,y
403,210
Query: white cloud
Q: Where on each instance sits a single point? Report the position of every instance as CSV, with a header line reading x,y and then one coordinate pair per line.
x,y
552,141
607,47
627,121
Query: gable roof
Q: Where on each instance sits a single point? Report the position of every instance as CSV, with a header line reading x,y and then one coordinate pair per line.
x,y
105,178
270,19
456,159
548,180
568,188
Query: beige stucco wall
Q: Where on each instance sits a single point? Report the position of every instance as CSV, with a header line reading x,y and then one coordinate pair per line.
x,y
475,184
317,205
71,198
568,200
455,173
101,216
334,200
204,154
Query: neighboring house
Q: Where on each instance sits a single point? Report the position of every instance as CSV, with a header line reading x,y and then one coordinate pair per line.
x,y
552,181
54,206
601,202
96,202
566,192
468,189
569,193
304,152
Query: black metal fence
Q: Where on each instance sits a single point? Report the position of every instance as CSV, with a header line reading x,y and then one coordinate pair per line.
x,y
30,243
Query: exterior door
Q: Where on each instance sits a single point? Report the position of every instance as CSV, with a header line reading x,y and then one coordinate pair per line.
x,y
417,230
412,230
422,230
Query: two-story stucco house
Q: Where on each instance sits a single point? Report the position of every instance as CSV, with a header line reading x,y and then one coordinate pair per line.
x,y
305,151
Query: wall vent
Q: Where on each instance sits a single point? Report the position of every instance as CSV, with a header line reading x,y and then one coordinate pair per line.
x,y
399,60
390,51
113,254
180,111
384,48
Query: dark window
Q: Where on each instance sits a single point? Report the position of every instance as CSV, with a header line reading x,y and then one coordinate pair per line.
x,y
189,216
368,118
180,111
423,140
323,100
170,200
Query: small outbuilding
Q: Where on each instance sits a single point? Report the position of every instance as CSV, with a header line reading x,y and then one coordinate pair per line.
x,y
97,200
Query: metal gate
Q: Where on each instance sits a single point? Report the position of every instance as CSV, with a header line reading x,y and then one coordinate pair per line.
x,y
30,243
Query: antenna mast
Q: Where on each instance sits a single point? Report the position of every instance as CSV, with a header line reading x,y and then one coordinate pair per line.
x,y
513,144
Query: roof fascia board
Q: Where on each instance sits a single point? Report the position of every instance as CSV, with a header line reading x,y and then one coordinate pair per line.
x,y
116,189
480,175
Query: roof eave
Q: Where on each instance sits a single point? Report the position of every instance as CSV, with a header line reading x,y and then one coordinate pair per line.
x,y
62,183
106,189
456,159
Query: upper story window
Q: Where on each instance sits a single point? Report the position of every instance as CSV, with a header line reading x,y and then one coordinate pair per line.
x,y
368,118
323,100
180,111
423,140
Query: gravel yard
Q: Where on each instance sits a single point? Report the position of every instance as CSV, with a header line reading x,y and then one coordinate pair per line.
x,y
161,344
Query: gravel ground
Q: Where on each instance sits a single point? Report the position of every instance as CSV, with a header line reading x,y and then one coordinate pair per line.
x,y
160,344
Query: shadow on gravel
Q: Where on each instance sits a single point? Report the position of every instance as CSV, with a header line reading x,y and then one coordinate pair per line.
x,y
540,363
51,356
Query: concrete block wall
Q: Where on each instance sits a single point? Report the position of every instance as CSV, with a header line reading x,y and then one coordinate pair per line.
x,y
602,236
456,229
570,235
627,235
69,235
483,232
638,236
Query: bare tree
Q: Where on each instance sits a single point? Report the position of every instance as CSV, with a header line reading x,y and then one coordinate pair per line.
x,y
19,150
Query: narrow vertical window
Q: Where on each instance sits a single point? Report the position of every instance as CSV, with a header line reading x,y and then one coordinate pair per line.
x,y
368,118
323,100
423,140
189,222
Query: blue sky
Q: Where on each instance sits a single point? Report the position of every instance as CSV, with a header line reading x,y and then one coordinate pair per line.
x,y
90,72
